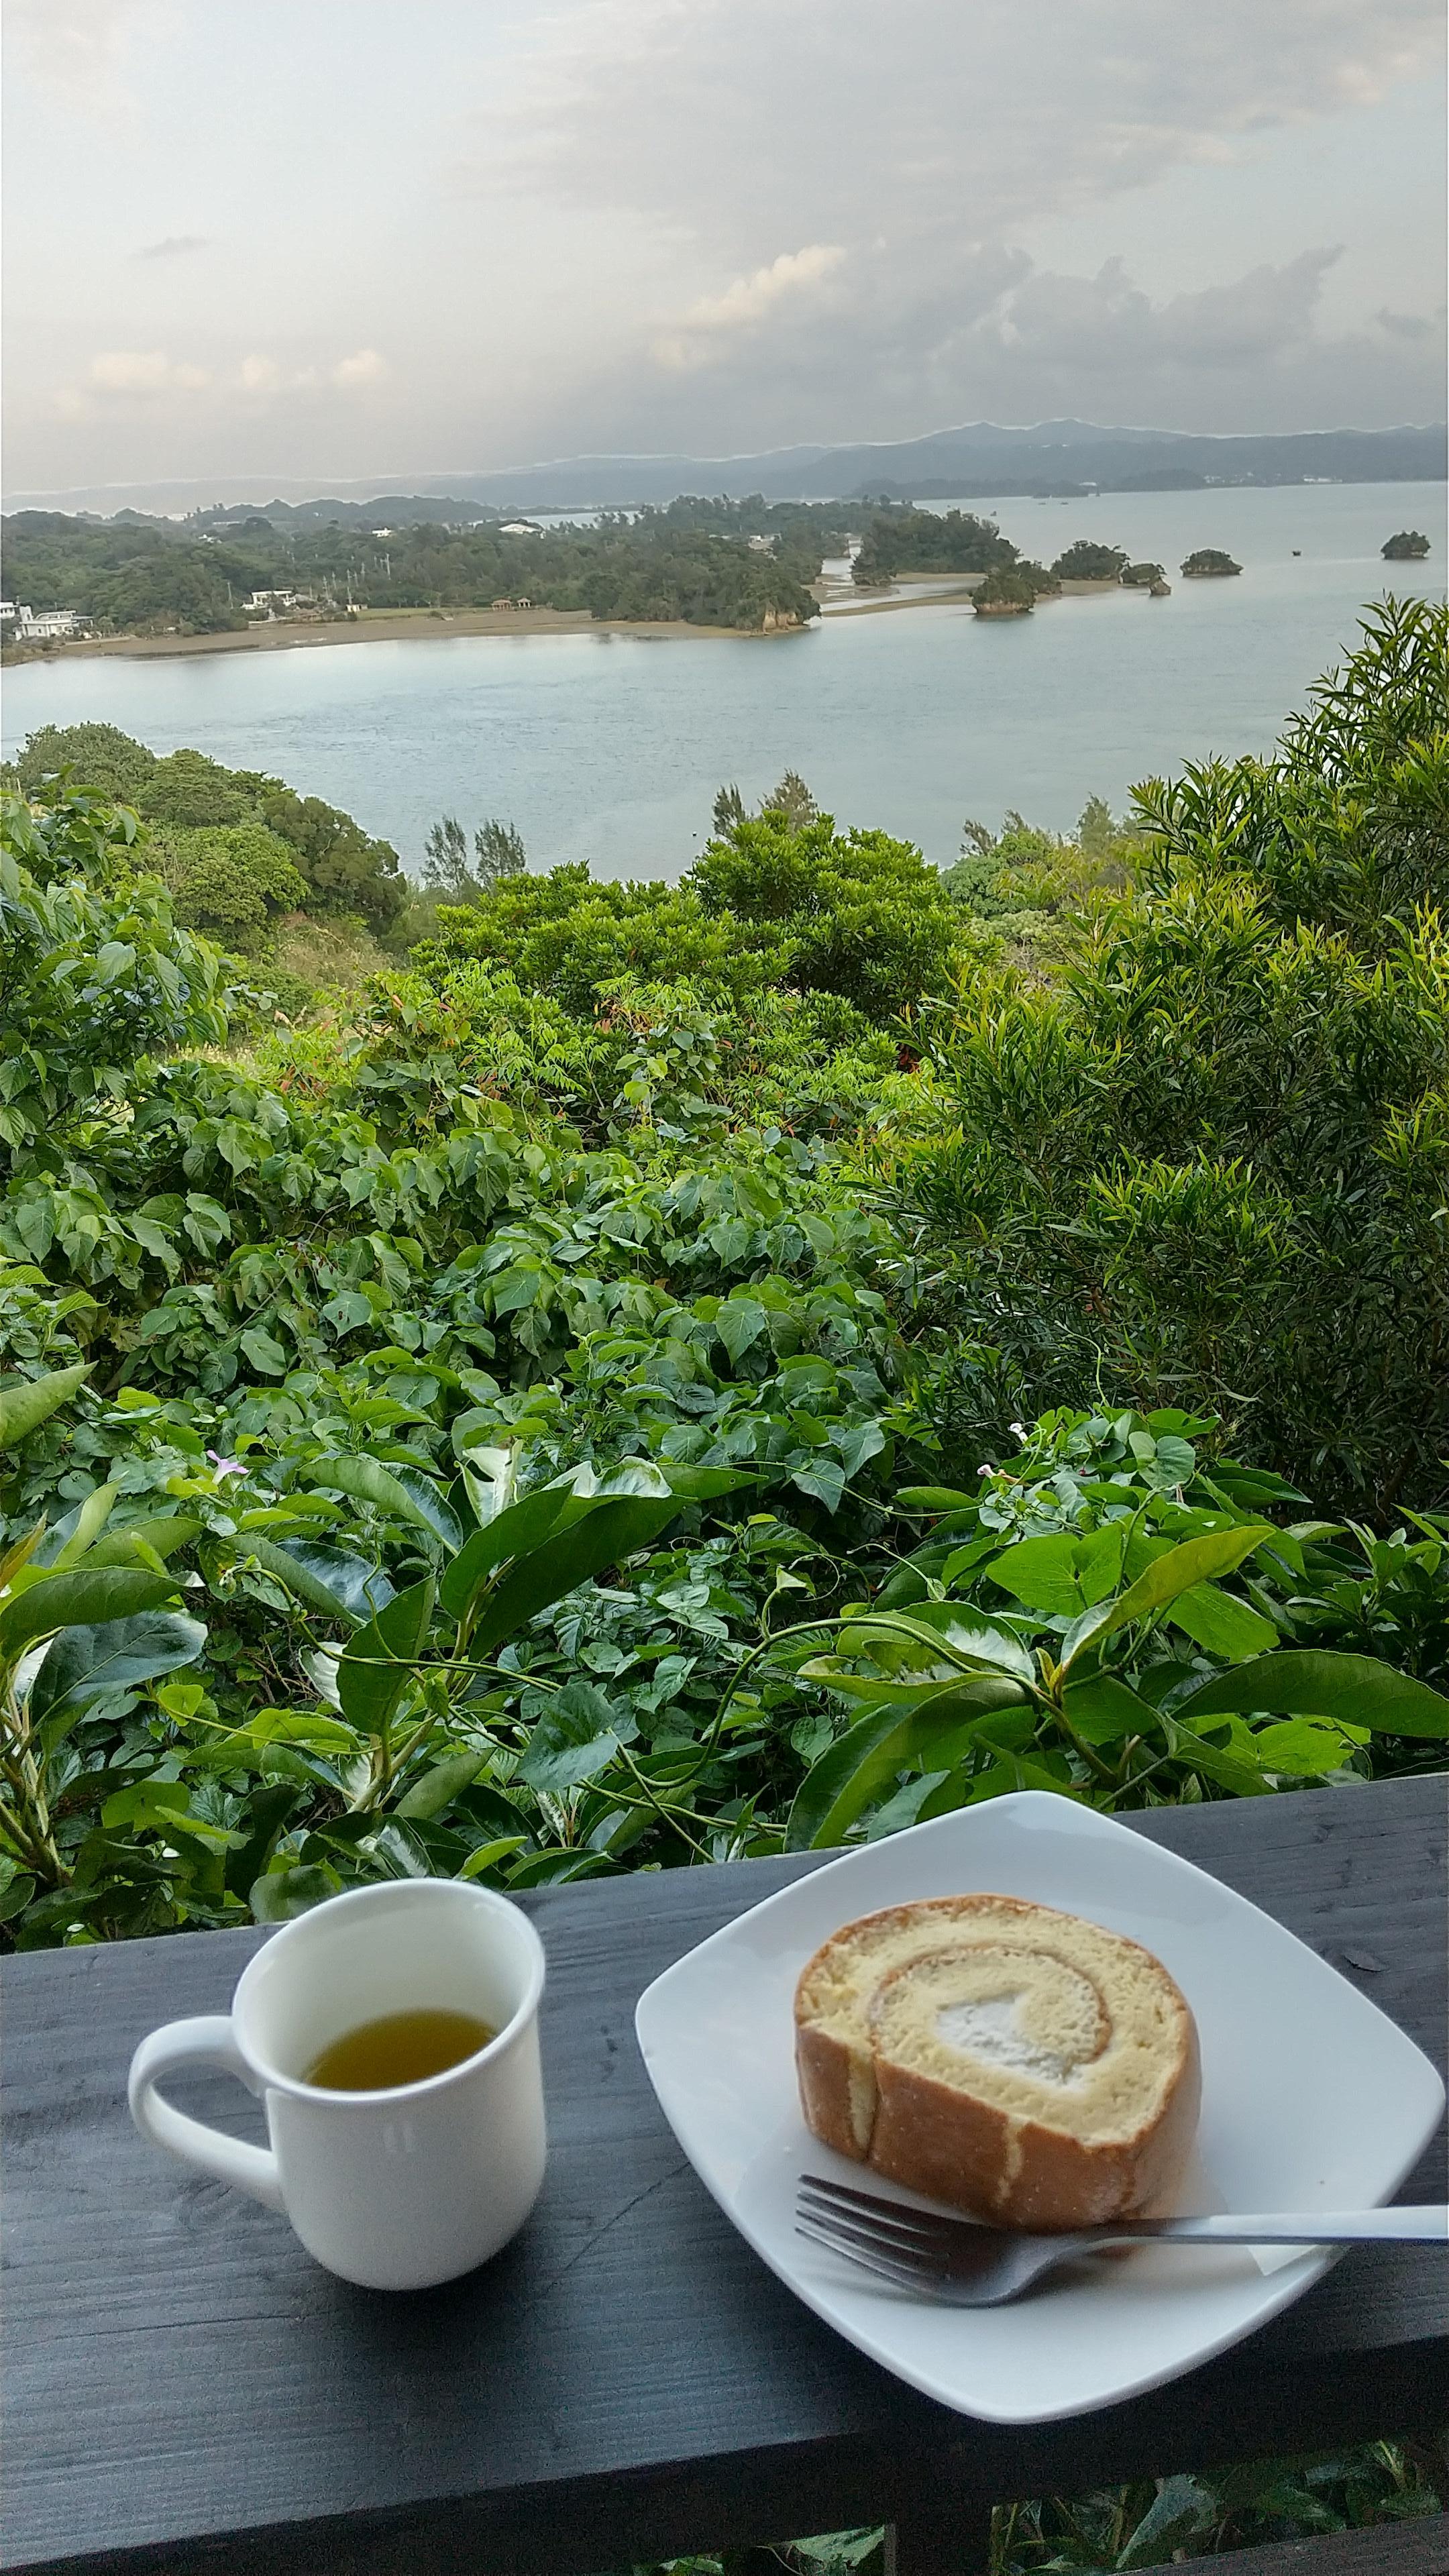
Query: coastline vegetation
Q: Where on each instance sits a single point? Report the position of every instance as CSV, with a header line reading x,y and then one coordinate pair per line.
x,y
693,561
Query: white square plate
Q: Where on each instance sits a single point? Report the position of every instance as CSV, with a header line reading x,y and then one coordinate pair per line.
x,y
1312,2099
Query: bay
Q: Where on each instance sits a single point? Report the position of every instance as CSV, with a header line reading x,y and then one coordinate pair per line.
x,y
609,748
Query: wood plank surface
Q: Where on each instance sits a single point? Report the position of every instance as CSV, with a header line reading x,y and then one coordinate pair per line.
x,y
1419,2547
186,2390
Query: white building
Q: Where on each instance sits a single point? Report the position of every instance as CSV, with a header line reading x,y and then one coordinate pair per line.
x,y
267,603
52,626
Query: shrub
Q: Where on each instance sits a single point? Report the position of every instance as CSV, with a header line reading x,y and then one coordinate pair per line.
x,y
1209,1167
231,882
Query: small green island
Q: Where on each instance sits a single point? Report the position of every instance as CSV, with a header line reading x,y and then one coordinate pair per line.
x,y
1088,561
1014,589
1146,576
1409,546
1209,563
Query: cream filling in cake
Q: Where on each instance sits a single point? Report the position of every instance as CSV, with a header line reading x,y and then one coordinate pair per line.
x,y
1041,2015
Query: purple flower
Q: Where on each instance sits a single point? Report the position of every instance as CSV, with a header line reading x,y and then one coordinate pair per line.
x,y
227,1466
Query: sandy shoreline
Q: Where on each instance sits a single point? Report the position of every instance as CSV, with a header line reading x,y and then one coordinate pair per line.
x,y
429,625
387,627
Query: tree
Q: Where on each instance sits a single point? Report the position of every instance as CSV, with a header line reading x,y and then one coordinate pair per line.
x,y
1209,1164
188,789
1140,576
95,976
447,875
1088,561
1409,546
792,799
857,914
929,541
103,759
498,851
1010,592
232,881
1209,563
1098,833
729,810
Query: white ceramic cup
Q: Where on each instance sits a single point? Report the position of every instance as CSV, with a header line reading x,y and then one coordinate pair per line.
x,y
394,2189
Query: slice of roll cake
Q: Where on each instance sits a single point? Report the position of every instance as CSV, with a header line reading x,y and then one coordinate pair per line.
x,y
1019,2062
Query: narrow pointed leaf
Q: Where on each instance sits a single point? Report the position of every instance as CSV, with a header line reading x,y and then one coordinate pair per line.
x,y
515,1532
1198,1560
85,1599
1222,1624
405,1494
1312,1681
1102,1709
611,1529
861,1763
27,1402
437,1788
378,1662
342,1587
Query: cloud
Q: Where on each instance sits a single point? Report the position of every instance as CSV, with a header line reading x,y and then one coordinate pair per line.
x,y
751,298
258,374
143,371
364,367
175,246
1105,323
729,119
747,302
79,47
980,331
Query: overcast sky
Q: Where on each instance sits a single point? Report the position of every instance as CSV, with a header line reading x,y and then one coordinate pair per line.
x,y
326,239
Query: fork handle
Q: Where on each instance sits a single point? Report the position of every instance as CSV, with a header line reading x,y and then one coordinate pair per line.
x,y
1426,2226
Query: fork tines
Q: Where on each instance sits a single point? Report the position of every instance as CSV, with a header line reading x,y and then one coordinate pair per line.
x,y
906,2245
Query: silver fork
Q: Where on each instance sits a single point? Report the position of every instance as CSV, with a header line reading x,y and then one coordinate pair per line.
x,y
971,2266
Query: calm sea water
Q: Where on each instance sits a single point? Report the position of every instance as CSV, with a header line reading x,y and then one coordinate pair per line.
x,y
610,748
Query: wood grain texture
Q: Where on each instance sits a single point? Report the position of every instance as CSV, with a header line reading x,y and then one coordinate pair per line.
x,y
186,2390
1416,2548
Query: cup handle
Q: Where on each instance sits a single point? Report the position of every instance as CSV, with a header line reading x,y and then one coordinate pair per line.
x,y
208,2040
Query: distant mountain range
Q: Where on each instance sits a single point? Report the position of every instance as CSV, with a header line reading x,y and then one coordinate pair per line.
x,y
981,461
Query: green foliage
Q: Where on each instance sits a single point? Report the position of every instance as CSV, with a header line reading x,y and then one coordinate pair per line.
x,y
1345,831
125,576
342,870
857,914
905,541
692,561
450,877
107,760
564,1379
1015,586
774,901
1089,561
1250,2504
189,790
1209,560
1409,545
230,881
1059,1628
1208,1164
568,935
1019,878
1140,576
95,977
